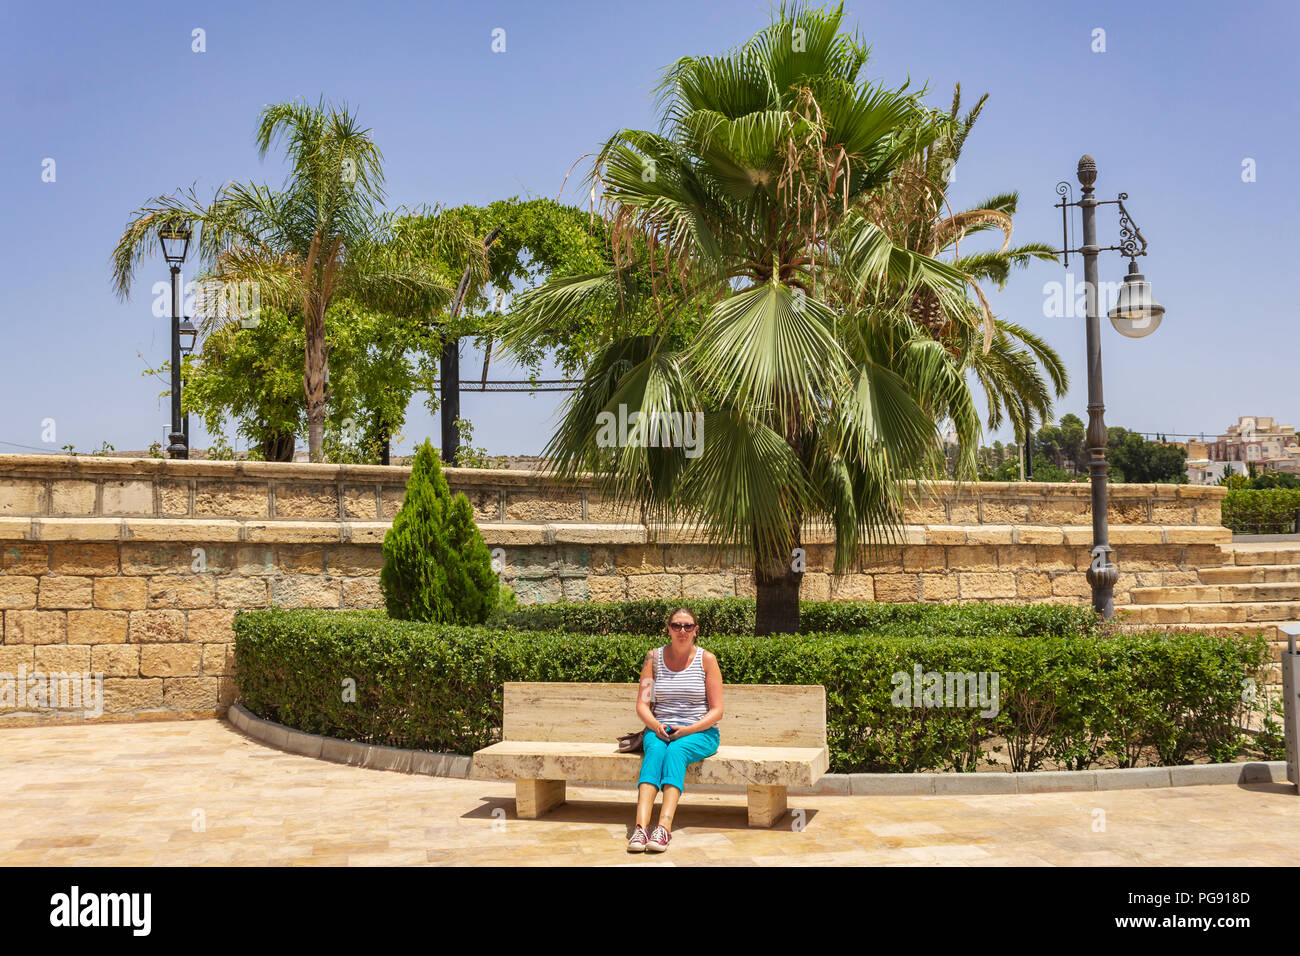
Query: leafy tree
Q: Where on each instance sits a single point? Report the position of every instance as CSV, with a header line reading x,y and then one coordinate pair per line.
x,y
1064,442
378,360
1046,470
436,564
1276,479
248,376
537,240
1130,456
1134,459
319,237
375,373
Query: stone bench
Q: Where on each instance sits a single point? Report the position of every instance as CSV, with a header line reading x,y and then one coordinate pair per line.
x,y
772,737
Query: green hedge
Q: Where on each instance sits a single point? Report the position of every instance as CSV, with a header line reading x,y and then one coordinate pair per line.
x,y
1080,700
1261,511
736,616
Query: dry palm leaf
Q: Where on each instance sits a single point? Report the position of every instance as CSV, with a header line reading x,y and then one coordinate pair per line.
x,y
954,227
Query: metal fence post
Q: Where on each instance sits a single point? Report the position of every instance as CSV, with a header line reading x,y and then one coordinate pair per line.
x,y
1290,698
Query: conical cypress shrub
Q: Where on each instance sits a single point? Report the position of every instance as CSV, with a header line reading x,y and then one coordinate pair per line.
x,y
436,563
471,582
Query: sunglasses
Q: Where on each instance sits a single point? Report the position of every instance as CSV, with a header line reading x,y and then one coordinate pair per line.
x,y
683,627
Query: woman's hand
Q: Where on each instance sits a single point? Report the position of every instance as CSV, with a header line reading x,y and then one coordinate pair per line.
x,y
680,732
659,732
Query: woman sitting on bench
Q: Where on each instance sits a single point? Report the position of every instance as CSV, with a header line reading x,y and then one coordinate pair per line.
x,y
680,702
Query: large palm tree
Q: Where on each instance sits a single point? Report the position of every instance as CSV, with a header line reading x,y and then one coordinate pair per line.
x,y
1019,373
322,235
739,228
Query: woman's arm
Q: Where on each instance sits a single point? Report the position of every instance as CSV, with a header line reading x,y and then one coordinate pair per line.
x,y
713,692
643,710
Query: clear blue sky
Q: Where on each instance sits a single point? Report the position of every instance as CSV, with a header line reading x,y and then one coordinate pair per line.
x,y
114,94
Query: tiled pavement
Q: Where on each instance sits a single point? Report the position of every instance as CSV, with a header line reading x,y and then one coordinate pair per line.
x,y
198,792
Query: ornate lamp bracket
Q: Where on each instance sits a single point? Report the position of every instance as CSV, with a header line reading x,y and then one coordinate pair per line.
x,y
1131,241
1129,234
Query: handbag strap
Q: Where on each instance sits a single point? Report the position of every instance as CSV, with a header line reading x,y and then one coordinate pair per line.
x,y
654,660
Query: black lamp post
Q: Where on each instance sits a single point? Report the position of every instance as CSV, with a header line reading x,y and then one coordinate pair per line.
x,y
188,335
1135,314
175,238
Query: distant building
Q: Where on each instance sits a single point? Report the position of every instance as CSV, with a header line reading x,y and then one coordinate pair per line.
x,y
1254,440
1202,471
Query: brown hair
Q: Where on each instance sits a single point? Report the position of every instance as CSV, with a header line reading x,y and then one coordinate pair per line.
x,y
694,620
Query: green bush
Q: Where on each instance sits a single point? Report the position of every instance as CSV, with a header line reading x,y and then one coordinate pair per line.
x,y
436,565
1261,511
736,616
1077,699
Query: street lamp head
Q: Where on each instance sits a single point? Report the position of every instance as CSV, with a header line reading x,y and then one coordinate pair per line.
x,y
188,335
1087,170
1136,312
175,238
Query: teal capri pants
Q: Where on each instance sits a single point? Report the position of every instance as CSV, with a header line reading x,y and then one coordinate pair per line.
x,y
664,764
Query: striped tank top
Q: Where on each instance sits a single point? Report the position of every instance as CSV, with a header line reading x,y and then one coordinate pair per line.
x,y
679,696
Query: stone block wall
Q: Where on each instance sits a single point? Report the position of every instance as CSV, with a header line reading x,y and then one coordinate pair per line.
x,y
134,569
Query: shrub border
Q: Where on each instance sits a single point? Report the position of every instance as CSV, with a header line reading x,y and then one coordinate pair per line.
x,y
378,757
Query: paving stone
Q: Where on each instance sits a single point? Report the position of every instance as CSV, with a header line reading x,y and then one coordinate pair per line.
x,y
108,795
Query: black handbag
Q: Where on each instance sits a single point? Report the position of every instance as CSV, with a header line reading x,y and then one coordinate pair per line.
x,y
631,743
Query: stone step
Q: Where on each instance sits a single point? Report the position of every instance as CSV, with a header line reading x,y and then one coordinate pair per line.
x,y
1261,613
1267,628
1217,593
1280,553
1251,574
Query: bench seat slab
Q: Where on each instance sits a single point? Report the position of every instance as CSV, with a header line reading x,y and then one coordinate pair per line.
x,y
561,760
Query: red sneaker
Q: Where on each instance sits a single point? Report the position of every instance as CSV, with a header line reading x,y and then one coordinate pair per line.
x,y
638,842
659,838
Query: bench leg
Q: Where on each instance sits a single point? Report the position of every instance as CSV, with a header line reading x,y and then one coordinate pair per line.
x,y
766,805
535,797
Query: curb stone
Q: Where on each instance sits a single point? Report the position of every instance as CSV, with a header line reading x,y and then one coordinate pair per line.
x,y
1135,778
430,763
890,784
948,784
1052,781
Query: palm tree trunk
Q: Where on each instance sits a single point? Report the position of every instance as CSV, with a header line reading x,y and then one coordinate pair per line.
x,y
314,381
777,610
777,586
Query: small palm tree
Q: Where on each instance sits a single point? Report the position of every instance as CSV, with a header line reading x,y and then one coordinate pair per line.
x,y
739,233
320,237
1016,369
